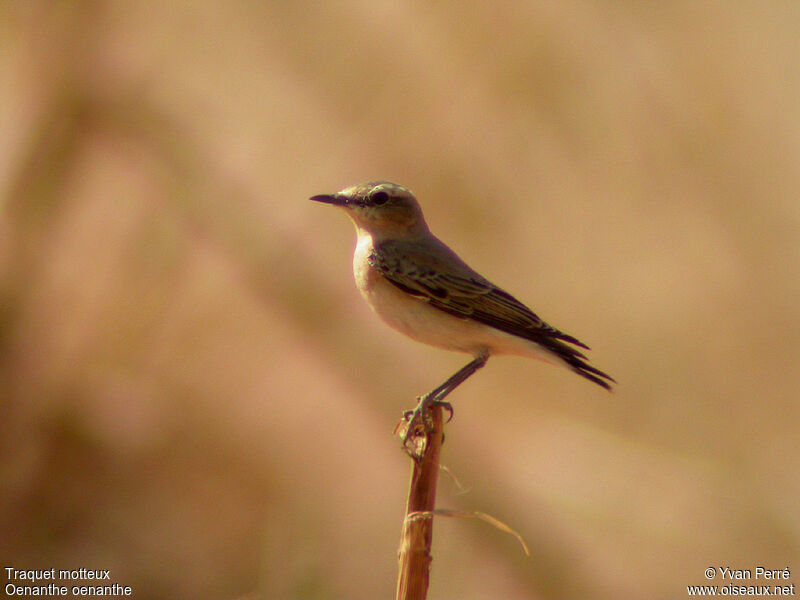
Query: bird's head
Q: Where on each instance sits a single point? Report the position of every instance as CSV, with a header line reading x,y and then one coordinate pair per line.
x,y
382,209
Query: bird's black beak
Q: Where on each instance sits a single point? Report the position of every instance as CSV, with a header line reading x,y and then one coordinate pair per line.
x,y
334,199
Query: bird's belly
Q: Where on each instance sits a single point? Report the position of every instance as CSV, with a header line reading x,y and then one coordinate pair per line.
x,y
416,318
422,322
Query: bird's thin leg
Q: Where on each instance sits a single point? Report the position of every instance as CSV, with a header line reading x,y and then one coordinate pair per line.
x,y
438,394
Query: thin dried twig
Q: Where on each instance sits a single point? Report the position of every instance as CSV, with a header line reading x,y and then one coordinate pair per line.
x,y
487,518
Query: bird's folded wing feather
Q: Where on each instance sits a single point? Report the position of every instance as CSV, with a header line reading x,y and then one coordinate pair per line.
x,y
432,272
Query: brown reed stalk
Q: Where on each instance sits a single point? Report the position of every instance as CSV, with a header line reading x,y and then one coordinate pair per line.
x,y
414,555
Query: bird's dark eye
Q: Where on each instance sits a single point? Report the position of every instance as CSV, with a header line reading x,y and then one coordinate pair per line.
x,y
380,197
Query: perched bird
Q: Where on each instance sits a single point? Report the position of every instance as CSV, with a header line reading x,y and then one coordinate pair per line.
x,y
420,287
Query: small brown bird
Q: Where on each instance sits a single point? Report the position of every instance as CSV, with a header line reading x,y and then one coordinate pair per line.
x,y
420,287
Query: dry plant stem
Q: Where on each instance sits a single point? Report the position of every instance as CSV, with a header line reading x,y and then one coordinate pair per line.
x,y
415,543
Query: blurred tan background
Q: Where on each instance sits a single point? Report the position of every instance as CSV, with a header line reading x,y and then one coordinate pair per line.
x,y
195,397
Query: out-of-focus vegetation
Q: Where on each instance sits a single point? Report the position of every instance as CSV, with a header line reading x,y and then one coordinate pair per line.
x,y
195,397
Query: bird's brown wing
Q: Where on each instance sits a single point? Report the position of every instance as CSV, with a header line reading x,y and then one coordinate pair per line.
x,y
447,283
430,271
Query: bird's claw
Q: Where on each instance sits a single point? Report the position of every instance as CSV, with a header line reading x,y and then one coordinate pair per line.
x,y
418,421
448,407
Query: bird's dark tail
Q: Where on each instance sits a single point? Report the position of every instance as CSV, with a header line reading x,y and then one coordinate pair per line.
x,y
589,372
577,362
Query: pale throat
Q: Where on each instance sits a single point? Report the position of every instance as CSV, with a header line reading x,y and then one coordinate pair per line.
x,y
362,272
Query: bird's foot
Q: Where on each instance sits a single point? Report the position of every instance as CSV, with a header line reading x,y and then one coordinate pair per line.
x,y
417,424
416,416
